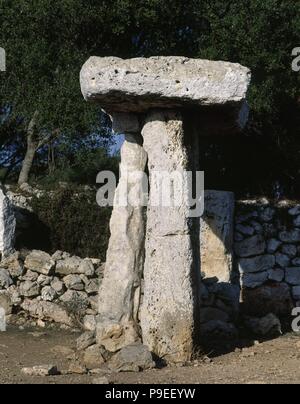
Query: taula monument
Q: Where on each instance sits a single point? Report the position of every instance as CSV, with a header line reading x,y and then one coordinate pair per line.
x,y
162,105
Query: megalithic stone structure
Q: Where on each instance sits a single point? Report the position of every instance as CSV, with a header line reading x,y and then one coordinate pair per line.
x,y
7,225
175,100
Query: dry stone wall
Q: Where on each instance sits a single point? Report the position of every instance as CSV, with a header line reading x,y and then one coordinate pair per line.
x,y
60,288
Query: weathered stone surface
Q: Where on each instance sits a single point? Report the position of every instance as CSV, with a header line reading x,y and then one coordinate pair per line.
x,y
5,279
273,246
74,282
85,340
47,311
92,357
7,225
253,280
168,310
266,326
29,289
44,280
282,260
41,371
276,274
290,250
296,292
250,247
39,261
89,322
75,265
75,301
216,235
292,276
48,294
267,299
6,302
13,264
292,236
132,358
256,264
245,230
58,286
139,84
119,295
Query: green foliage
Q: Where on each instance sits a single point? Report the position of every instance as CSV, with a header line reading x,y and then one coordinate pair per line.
x,y
48,41
71,221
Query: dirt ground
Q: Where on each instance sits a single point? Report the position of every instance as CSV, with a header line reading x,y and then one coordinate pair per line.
x,y
270,362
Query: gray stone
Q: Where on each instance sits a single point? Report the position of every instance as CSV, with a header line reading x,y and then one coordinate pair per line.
x,y
30,276
5,279
292,276
75,265
266,326
253,280
246,230
296,262
296,292
48,294
13,264
257,227
92,286
216,234
47,311
256,264
6,302
89,322
76,301
85,340
44,280
297,221
292,236
168,324
92,357
295,211
276,274
58,286
136,85
238,237
290,250
41,371
40,262
74,282
252,246
282,260
273,245
120,289
29,289
267,214
133,358
7,225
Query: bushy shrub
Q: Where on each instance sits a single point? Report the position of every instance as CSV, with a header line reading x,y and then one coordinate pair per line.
x,y
70,220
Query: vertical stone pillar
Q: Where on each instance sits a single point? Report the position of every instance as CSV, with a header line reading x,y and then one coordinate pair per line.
x,y
7,225
119,295
168,311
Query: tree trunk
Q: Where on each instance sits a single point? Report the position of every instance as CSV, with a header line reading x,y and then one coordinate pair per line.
x,y
32,146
